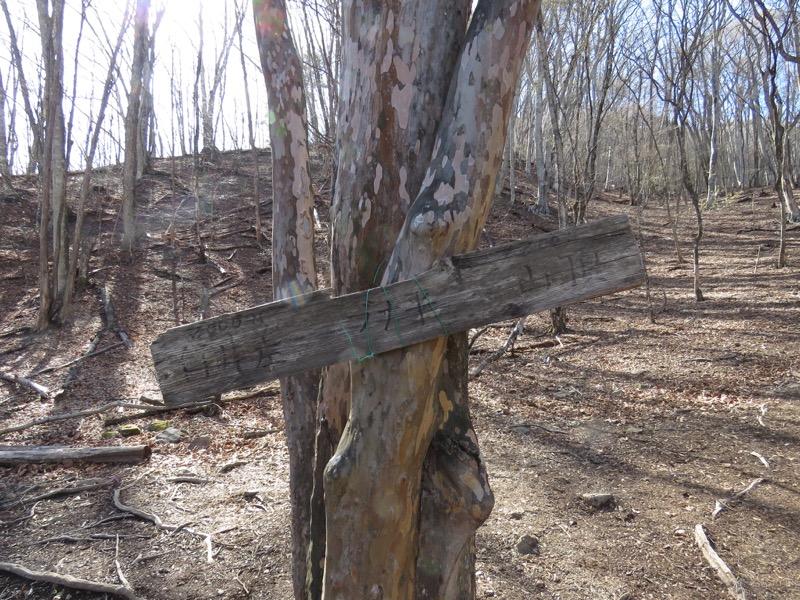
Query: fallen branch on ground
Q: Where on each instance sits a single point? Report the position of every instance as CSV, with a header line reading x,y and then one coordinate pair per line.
x,y
156,520
72,415
120,575
13,456
188,479
735,588
724,503
512,337
157,410
216,293
101,522
259,433
199,405
528,425
232,465
38,388
95,537
475,337
68,581
77,360
763,460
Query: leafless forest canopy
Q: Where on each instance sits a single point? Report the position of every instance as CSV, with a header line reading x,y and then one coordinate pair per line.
x,y
617,79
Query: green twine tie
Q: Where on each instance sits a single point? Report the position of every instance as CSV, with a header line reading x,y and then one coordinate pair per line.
x,y
370,352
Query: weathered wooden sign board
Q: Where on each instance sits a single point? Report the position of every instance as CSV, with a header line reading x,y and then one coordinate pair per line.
x,y
245,348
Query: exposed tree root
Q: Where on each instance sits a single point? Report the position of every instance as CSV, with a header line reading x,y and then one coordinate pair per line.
x,y
69,581
156,520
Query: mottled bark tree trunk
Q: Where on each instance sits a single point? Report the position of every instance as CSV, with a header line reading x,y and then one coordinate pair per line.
x,y
393,90
373,482
421,130
558,315
456,497
293,265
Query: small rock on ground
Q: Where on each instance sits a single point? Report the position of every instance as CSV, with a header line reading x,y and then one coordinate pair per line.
x,y
528,544
600,501
170,435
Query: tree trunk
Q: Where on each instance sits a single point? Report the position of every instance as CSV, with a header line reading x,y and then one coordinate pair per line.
x,y
132,125
393,92
542,204
713,145
209,97
756,177
145,108
293,265
209,150
77,238
558,316
553,107
456,497
597,112
510,153
5,169
59,200
37,131
695,199
373,482
52,158
251,138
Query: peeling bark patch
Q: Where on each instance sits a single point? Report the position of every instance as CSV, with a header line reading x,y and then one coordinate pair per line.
x,y
278,149
305,225
404,195
376,185
365,206
297,94
390,22
405,74
387,59
498,30
443,194
406,34
401,102
446,404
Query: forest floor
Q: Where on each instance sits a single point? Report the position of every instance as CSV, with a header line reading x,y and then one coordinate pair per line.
x,y
671,416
